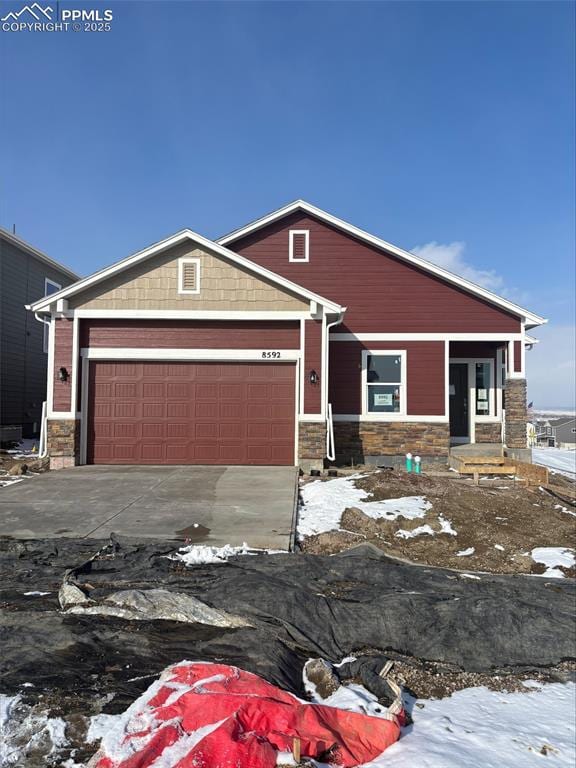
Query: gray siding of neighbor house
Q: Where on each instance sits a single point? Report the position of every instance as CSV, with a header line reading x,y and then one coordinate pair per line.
x,y
564,432
23,362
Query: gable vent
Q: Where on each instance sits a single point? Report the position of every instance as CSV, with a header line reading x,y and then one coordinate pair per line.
x,y
299,245
189,276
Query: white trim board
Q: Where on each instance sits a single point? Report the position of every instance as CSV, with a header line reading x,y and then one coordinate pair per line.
x,y
185,235
390,417
425,336
178,314
157,353
302,205
306,234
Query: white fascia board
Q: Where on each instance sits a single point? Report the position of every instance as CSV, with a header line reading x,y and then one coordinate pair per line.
x,y
425,336
163,245
389,417
529,340
157,353
178,314
301,205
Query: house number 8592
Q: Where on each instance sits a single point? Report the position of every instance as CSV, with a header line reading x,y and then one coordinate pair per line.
x,y
272,354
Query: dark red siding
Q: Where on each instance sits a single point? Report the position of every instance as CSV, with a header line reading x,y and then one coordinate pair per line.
x,y
191,413
312,362
517,356
425,375
382,292
62,392
184,334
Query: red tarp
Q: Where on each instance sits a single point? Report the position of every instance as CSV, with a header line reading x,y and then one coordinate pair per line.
x,y
213,715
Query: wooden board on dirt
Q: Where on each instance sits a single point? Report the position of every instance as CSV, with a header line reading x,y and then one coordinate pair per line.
x,y
533,473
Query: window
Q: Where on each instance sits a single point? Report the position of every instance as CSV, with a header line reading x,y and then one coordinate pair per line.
x,y
384,382
299,248
189,275
483,384
50,287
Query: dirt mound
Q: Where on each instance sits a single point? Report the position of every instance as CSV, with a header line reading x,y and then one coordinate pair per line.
x,y
497,524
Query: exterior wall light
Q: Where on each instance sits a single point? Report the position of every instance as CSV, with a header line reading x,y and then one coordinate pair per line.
x,y
313,377
63,374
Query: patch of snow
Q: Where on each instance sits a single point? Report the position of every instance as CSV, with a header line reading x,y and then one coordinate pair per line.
x,y
469,576
446,526
552,557
24,730
9,480
34,594
564,509
465,552
403,533
324,501
556,459
487,729
499,546
198,554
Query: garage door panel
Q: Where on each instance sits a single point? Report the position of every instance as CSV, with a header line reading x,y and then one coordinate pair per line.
x,y
177,429
123,429
156,429
179,390
191,413
125,390
154,389
258,392
206,391
153,410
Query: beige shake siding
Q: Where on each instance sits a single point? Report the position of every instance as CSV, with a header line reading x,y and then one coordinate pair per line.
x,y
153,284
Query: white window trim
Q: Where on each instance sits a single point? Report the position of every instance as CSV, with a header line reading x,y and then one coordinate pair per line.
x,y
46,331
306,234
375,416
181,262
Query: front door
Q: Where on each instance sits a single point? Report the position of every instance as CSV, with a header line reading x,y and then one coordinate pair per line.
x,y
459,421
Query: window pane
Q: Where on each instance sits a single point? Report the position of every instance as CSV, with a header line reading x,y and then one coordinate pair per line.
x,y
51,288
483,393
384,368
383,398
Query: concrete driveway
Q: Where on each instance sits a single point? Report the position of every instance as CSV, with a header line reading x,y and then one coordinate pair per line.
x,y
209,505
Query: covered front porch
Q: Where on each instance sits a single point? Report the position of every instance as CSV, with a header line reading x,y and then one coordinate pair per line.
x,y
482,375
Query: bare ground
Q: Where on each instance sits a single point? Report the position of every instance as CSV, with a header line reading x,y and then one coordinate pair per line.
x,y
501,520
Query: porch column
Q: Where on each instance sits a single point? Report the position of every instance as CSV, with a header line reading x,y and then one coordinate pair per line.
x,y
516,410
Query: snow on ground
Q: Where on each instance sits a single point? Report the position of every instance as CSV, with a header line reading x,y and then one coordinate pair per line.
x,y
198,554
475,727
556,459
25,731
478,728
552,557
324,501
465,552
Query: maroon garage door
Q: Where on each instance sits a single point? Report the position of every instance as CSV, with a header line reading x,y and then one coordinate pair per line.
x,y
191,413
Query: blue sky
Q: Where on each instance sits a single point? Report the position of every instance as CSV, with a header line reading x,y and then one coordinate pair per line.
x,y
447,127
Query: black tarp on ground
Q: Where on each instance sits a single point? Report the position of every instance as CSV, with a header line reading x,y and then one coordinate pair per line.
x,y
300,605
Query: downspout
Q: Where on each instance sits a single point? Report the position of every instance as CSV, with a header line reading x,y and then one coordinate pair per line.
x,y
330,447
43,443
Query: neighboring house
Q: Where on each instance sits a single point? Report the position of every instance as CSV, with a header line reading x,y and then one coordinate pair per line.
x,y
26,275
557,433
259,347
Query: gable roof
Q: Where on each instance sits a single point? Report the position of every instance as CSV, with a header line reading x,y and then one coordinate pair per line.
x,y
530,318
29,249
169,242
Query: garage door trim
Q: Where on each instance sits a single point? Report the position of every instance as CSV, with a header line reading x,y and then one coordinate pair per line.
x,y
183,355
